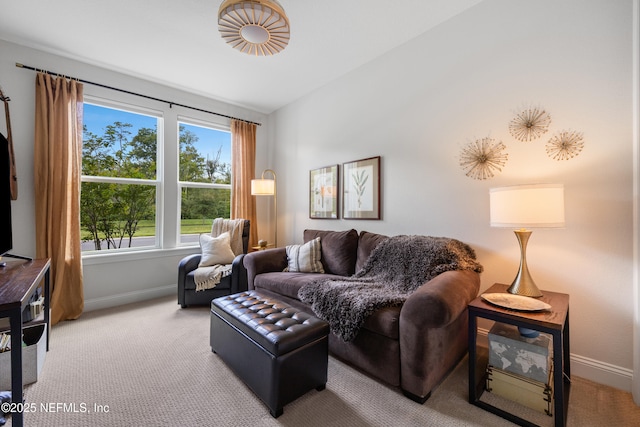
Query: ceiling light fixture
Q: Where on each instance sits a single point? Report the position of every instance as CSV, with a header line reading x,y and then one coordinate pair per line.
x,y
256,27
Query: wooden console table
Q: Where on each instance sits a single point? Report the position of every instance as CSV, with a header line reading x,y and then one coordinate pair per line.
x,y
18,281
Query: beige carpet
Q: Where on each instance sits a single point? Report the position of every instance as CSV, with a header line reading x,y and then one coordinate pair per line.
x,y
150,364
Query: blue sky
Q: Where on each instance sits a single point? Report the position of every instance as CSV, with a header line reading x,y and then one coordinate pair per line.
x,y
97,118
210,140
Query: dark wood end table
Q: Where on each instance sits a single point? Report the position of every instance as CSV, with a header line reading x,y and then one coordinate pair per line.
x,y
18,281
554,322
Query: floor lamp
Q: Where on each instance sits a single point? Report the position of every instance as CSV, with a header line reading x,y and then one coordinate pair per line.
x,y
267,187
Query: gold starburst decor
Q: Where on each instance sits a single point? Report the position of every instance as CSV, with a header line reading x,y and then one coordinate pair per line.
x,y
481,158
565,145
530,124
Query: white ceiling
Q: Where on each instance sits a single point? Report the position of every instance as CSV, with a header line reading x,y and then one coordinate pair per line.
x,y
177,43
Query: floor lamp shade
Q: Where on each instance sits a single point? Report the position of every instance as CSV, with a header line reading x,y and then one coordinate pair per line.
x,y
263,187
522,207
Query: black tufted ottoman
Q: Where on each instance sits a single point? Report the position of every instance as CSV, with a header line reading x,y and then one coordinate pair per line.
x,y
279,351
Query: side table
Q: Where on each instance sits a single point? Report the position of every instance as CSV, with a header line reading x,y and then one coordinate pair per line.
x,y
18,281
554,322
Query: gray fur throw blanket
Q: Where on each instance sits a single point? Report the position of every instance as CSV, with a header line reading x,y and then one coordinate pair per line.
x,y
395,269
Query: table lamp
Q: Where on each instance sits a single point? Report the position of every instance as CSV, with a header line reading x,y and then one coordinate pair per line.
x,y
522,207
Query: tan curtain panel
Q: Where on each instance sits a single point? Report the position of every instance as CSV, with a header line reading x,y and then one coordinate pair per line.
x,y
243,153
57,172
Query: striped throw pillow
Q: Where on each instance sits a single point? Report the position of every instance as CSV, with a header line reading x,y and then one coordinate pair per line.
x,y
305,258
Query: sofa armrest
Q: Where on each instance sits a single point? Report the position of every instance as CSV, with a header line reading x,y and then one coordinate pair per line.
x,y
238,275
187,265
441,300
267,261
434,330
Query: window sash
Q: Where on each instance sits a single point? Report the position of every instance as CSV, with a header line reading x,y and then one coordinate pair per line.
x,y
156,183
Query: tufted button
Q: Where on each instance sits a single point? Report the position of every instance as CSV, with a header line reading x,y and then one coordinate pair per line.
x,y
277,326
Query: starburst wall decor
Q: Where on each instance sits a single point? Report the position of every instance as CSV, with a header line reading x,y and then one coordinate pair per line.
x,y
481,158
565,145
530,124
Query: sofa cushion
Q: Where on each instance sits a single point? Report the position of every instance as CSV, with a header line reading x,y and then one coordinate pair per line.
x,y
366,243
339,250
384,321
285,283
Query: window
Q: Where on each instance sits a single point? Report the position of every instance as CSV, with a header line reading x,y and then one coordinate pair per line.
x,y
120,178
205,177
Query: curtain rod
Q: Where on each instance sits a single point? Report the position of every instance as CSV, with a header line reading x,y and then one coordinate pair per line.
x,y
171,104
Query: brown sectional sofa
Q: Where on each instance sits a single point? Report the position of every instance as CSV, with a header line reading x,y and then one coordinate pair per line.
x,y
413,346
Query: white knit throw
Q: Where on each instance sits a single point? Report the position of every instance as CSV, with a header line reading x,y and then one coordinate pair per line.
x,y
209,277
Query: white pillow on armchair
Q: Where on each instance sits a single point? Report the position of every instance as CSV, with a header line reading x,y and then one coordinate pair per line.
x,y
216,250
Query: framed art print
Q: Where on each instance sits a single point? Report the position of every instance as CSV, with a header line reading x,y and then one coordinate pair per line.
x,y
361,189
323,193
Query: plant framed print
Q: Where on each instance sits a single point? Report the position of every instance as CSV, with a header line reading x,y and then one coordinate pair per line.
x,y
323,193
361,189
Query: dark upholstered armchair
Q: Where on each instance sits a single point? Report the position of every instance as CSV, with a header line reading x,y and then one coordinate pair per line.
x,y
187,294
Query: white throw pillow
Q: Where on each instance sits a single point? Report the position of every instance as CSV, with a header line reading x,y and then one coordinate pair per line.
x,y
305,258
215,250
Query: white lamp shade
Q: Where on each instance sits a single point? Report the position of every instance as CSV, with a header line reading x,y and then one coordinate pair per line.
x,y
263,187
527,206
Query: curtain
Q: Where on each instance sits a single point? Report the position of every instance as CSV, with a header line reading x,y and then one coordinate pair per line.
x,y
57,172
243,164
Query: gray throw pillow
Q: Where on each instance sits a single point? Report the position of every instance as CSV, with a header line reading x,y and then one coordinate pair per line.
x,y
305,258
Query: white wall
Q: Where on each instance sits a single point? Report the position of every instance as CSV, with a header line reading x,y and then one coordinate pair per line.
x,y
418,105
116,278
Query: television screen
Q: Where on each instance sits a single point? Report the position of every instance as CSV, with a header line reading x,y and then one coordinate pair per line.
x,y
6,239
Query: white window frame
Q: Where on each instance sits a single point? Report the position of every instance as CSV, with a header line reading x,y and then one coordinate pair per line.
x,y
188,184
158,182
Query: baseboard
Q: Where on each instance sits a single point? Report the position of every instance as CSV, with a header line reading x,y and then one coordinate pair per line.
x,y
595,370
129,297
601,372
